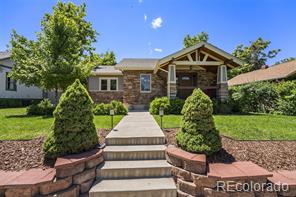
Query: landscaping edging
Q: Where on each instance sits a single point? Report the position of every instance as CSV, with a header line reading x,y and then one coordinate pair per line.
x,y
72,176
194,177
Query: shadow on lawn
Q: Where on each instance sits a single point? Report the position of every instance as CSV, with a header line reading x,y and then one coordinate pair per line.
x,y
27,116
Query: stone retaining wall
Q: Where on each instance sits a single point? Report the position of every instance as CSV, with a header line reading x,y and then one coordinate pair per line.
x,y
194,177
72,176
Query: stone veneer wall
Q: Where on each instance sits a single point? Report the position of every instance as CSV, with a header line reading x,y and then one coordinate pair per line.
x,y
193,178
206,79
106,96
73,176
131,85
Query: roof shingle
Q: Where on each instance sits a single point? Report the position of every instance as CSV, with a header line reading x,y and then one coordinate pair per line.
x,y
278,71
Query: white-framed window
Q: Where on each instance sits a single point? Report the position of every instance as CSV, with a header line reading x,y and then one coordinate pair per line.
x,y
222,74
108,84
145,83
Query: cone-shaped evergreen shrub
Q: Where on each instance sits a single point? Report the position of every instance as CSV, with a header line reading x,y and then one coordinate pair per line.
x,y
198,133
73,129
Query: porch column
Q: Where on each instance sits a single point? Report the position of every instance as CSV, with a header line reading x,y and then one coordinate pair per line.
x,y
222,91
171,83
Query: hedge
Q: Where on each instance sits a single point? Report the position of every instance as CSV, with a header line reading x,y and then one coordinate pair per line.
x,y
264,97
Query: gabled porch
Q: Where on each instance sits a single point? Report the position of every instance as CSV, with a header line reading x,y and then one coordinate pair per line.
x,y
201,66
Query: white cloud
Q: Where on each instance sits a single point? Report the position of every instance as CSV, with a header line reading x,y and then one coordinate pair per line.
x,y
140,1
156,23
158,50
145,17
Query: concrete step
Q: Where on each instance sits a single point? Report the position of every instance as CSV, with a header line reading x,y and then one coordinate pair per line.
x,y
129,140
147,187
133,169
135,152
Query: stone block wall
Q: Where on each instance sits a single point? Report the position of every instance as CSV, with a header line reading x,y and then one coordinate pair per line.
x,y
194,177
131,85
106,96
72,176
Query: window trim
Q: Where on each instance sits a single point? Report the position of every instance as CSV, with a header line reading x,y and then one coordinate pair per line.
x,y
13,83
149,83
108,83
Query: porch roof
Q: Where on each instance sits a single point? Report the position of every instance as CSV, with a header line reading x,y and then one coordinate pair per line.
x,y
204,45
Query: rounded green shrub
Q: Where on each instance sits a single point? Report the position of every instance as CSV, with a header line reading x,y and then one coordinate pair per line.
x,y
160,102
198,133
104,108
74,130
119,107
45,107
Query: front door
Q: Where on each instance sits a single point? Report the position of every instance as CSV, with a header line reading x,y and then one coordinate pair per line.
x,y
186,82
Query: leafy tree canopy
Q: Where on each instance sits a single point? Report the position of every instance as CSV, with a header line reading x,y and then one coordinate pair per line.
x,y
255,56
61,53
189,41
286,60
107,58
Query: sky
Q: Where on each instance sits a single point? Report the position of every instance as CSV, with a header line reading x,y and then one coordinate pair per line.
x,y
156,28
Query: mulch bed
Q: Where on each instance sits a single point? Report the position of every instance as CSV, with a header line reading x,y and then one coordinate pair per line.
x,y
18,155
23,154
271,155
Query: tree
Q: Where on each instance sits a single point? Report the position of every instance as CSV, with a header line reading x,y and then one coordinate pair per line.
x,y
255,56
198,133
107,58
285,60
61,53
189,41
73,130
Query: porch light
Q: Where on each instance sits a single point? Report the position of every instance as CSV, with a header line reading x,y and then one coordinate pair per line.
x,y
112,116
161,113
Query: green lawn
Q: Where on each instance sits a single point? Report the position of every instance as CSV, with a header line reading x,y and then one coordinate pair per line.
x,y
247,127
16,125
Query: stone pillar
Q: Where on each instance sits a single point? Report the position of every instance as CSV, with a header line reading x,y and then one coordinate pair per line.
x,y
172,85
222,90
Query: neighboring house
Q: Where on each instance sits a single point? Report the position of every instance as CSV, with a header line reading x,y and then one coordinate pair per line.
x,y
283,71
11,89
137,81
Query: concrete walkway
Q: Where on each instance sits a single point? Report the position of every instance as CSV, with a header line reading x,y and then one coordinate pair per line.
x,y
135,162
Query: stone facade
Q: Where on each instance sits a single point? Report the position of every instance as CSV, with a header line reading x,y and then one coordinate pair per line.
x,y
129,88
206,79
131,85
106,96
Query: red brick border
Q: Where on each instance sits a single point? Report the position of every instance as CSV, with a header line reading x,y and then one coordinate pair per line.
x,y
72,176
